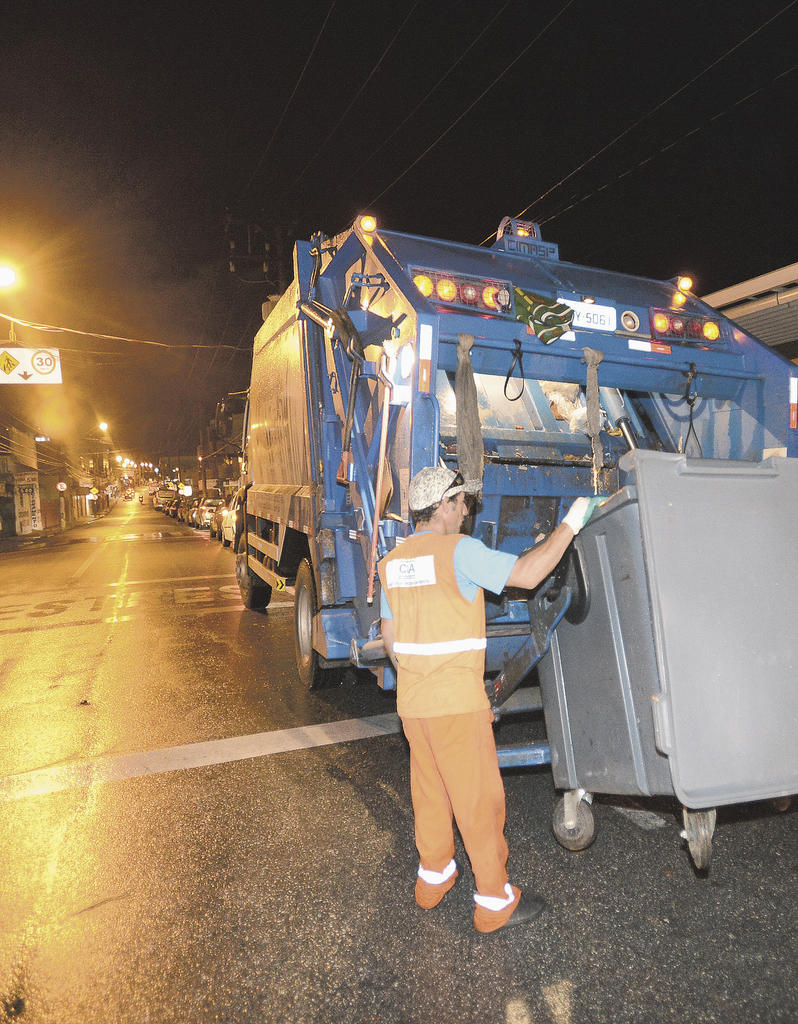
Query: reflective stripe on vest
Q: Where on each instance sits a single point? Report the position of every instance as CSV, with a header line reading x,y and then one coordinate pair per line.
x,y
441,647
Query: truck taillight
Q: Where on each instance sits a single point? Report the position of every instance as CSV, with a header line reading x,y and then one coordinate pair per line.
x,y
446,289
660,323
672,326
424,284
490,296
474,293
711,330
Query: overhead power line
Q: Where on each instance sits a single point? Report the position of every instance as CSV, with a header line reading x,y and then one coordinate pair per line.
x,y
49,328
355,98
281,118
470,107
652,111
434,89
43,458
9,416
670,145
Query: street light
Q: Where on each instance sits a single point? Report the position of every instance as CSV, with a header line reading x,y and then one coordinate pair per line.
x,y
103,426
8,276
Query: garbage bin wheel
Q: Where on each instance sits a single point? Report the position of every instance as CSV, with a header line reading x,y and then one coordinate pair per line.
x,y
699,827
584,832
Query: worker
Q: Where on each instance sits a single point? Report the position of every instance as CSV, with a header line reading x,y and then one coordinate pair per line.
x,y
433,628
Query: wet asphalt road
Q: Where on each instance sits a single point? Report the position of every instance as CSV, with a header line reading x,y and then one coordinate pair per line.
x,y
278,888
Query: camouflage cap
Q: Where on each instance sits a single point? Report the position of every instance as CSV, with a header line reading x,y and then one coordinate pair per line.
x,y
431,484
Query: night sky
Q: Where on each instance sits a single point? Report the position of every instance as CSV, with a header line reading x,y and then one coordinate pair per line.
x,y
646,137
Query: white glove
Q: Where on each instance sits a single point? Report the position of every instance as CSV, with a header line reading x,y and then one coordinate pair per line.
x,y
579,513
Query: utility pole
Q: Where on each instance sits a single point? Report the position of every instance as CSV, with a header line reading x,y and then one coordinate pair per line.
x,y
257,254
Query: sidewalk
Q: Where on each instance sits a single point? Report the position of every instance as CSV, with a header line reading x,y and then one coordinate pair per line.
x,y
40,536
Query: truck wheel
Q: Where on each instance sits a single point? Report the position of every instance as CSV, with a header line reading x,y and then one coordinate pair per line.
x,y
305,607
254,592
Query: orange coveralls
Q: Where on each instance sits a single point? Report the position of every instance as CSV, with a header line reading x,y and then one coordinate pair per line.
x,y
439,645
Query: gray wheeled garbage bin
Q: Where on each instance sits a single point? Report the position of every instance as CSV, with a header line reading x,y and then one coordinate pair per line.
x,y
675,670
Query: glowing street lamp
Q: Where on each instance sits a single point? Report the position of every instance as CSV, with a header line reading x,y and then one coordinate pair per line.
x,y
8,276
103,426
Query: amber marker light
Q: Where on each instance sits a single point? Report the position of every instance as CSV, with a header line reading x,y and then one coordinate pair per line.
x,y
446,289
424,284
661,323
711,331
490,296
685,283
368,223
679,299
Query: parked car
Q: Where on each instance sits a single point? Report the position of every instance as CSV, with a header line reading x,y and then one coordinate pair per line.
x,y
187,505
162,497
233,522
204,512
217,517
192,516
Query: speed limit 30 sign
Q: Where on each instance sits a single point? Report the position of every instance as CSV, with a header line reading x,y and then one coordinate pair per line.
x,y
30,366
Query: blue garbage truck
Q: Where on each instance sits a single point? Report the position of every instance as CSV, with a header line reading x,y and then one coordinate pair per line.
x,y
663,649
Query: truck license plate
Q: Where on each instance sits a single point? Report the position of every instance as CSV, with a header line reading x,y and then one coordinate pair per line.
x,y
588,316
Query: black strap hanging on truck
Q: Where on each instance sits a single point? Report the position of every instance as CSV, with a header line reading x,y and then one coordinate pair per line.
x,y
470,451
518,360
691,397
593,357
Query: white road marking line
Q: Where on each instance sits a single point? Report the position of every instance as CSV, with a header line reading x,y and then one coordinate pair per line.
x,y
76,575
180,609
136,583
172,579
80,774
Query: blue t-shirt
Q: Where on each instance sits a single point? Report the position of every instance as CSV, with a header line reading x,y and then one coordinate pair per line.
x,y
476,567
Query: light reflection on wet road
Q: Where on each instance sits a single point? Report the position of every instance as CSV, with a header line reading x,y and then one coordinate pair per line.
x,y
278,887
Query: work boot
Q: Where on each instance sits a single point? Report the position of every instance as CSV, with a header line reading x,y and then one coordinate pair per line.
x,y
428,894
524,909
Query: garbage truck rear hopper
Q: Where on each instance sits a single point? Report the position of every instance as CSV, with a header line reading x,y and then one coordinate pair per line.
x,y
540,379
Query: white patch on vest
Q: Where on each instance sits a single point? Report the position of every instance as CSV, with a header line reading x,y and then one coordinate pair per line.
x,y
411,572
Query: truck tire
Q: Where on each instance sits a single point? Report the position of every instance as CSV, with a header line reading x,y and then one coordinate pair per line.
x,y
254,592
308,660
